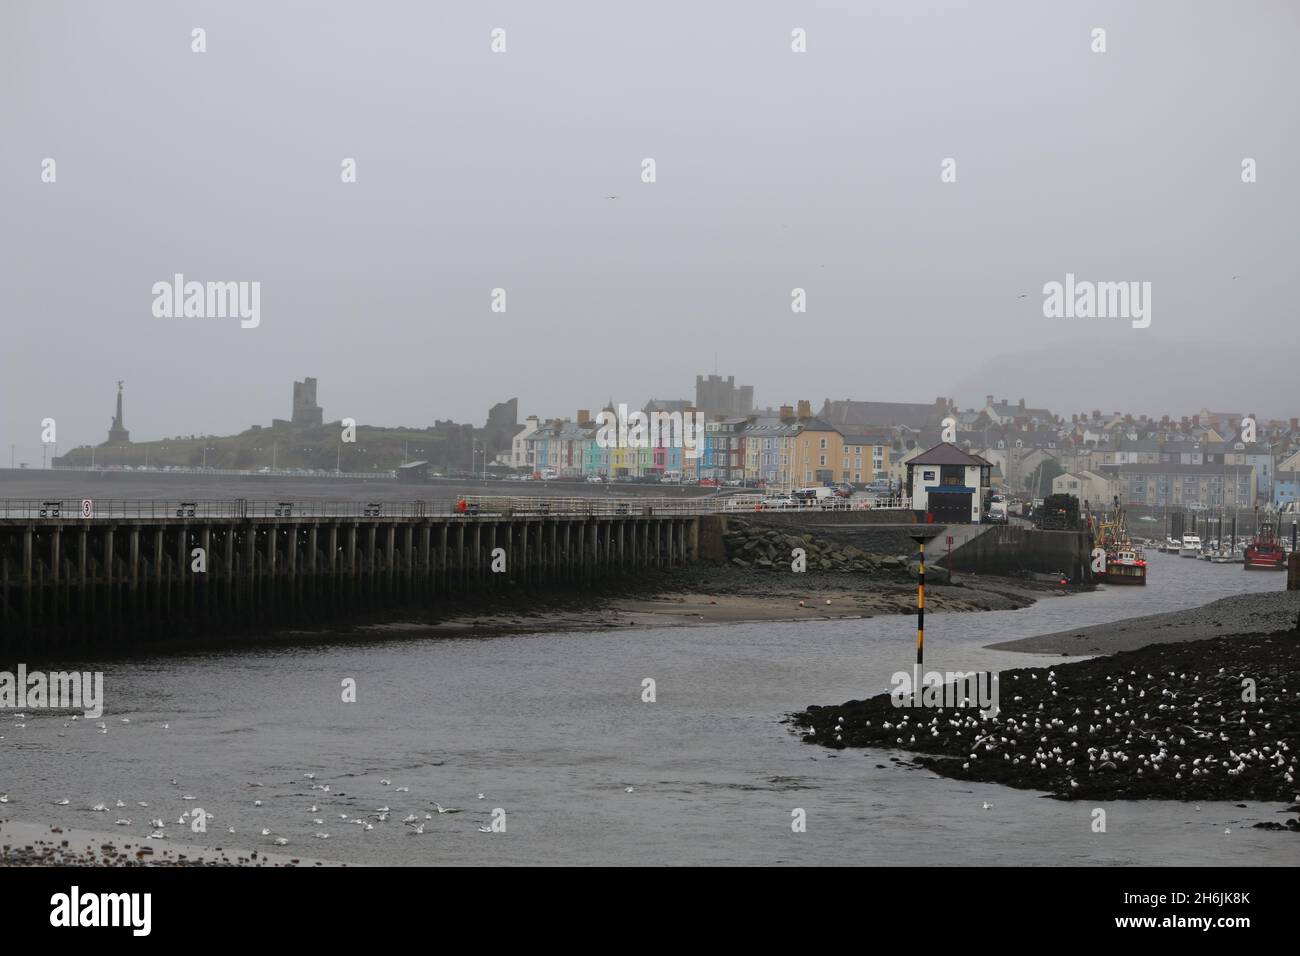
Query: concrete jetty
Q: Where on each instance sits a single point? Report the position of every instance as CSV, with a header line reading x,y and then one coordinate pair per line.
x,y
181,569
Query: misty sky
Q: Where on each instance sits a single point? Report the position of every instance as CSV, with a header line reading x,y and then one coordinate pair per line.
x,y
775,170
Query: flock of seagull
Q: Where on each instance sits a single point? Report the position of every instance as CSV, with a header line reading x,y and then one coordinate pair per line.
x,y
413,821
1184,719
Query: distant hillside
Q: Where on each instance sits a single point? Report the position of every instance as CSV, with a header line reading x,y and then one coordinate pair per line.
x,y
448,446
1159,378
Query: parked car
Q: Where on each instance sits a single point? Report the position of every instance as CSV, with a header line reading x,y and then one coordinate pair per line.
x,y
594,479
778,502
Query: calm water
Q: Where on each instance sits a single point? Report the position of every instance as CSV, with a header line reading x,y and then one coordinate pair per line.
x,y
551,728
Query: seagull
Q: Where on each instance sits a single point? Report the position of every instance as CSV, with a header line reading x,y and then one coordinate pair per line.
x,y
483,829
410,818
100,808
230,829
167,726
126,720
266,831
120,804
123,823
611,197
4,798
416,827
441,809
157,835
257,803
386,782
280,841
310,776
156,824
318,821
313,809
384,809
322,836
401,790
480,796
987,805
627,790
141,803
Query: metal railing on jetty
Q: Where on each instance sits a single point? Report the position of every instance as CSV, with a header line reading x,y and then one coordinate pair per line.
x,y
240,508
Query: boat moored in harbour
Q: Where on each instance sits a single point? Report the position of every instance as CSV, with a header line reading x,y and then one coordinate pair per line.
x,y
1265,553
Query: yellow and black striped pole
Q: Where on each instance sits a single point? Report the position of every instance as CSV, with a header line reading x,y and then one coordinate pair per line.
x,y
921,536
920,625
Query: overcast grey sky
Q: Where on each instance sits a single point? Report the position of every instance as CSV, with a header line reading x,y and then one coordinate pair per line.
x,y
774,170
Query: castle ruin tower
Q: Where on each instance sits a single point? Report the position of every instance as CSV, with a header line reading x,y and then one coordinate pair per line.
x,y
306,412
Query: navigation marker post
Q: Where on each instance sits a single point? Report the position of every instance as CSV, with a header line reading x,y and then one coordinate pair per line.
x,y
920,535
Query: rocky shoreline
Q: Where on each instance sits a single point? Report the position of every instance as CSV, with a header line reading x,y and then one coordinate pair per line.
x,y
1171,721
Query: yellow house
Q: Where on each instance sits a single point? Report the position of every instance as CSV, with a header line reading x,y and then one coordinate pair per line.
x,y
812,451
865,458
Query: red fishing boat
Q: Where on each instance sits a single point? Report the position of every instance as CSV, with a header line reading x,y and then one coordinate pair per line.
x,y
1265,552
1126,563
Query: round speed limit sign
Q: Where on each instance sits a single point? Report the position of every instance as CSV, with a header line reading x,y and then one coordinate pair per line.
x,y
87,508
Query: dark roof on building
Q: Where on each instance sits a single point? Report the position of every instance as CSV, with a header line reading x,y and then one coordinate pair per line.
x,y
879,414
947,454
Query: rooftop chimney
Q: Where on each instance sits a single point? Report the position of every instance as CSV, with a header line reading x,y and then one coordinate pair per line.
x,y
584,416
805,408
787,413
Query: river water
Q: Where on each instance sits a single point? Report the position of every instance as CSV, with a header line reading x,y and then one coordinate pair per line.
x,y
551,728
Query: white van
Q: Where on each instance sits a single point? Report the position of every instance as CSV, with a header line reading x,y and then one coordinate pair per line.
x,y
811,495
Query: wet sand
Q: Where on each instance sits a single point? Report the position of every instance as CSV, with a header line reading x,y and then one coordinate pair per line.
x,y
34,844
1242,614
724,595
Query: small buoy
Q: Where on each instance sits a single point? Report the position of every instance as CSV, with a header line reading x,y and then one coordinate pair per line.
x,y
801,604
828,600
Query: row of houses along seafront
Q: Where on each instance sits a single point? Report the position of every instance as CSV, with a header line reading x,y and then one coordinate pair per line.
x,y
791,448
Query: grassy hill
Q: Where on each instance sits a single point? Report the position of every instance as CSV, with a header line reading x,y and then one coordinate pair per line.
x,y
447,445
